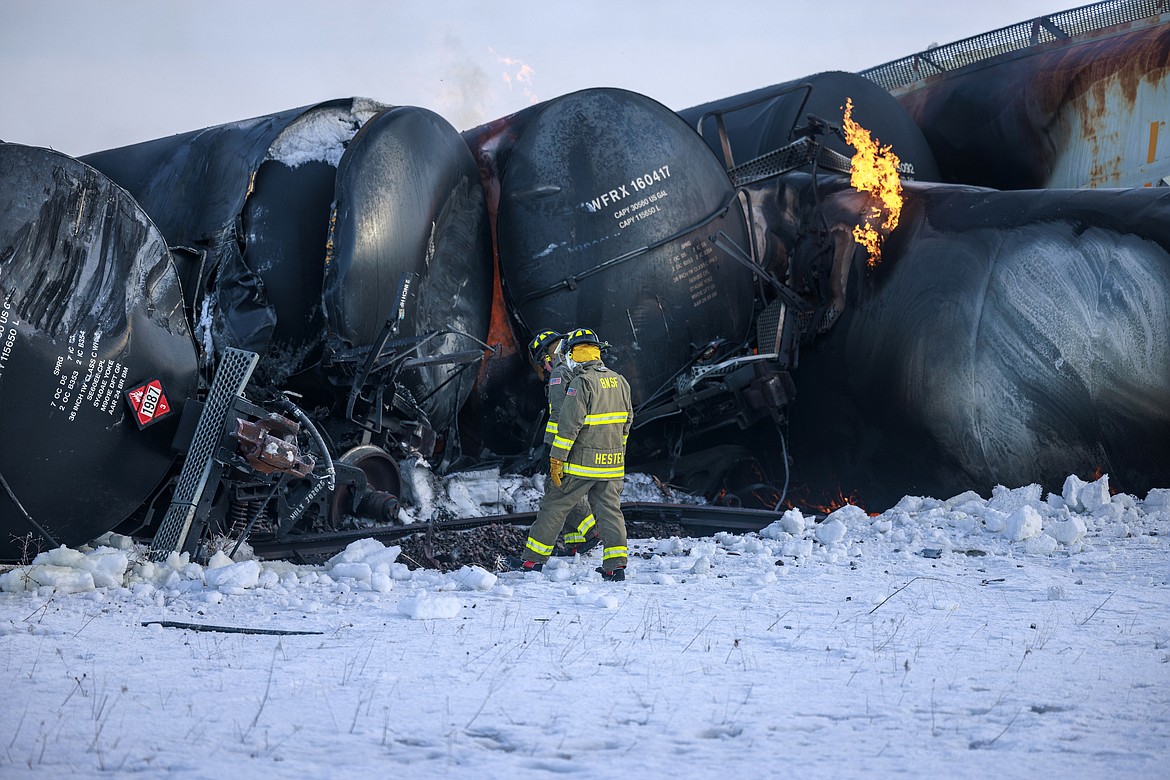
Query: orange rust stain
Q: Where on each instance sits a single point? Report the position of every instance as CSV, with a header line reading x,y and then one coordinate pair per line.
x,y
1153,150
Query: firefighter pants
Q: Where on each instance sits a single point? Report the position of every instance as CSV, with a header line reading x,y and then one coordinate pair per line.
x,y
605,496
579,522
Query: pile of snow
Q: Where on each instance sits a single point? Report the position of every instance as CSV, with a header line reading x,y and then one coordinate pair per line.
x,y
426,496
1015,635
1020,521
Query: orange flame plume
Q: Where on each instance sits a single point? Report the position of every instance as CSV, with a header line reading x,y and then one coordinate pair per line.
x,y
519,72
874,170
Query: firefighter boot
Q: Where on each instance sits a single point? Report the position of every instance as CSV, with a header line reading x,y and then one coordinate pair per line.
x,y
590,542
512,563
617,575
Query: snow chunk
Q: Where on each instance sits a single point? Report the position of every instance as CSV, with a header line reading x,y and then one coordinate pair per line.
x,y
425,607
1040,545
792,523
363,558
968,501
219,560
62,579
671,546
1081,496
702,565
1024,523
1095,495
830,532
234,577
1005,500
850,515
833,529
66,570
480,493
380,582
474,578
994,520
642,487
358,570
109,567
1067,529
797,548
1157,499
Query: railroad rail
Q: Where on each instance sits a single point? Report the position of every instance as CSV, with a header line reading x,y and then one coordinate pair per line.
x,y
697,519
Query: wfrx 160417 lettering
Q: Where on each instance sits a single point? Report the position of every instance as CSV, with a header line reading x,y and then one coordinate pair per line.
x,y
646,179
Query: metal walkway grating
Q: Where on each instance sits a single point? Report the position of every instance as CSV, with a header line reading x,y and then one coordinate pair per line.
x,y
231,377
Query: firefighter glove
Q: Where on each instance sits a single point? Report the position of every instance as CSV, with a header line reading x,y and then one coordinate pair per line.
x,y
556,470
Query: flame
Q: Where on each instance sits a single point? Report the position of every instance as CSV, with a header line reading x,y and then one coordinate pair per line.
x,y
874,170
836,502
832,504
518,72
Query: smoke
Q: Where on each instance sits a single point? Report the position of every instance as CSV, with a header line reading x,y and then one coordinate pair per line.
x,y
474,90
465,95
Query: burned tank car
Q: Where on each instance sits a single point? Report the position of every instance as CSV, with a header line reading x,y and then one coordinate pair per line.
x,y
744,127
1005,338
608,208
409,271
253,204
245,207
96,355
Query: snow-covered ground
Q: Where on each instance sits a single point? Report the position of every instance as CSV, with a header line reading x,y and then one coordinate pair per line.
x,y
1019,635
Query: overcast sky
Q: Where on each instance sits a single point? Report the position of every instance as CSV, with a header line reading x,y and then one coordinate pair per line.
x,y
84,75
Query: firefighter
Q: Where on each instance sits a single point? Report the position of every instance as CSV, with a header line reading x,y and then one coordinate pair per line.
x,y
587,457
580,534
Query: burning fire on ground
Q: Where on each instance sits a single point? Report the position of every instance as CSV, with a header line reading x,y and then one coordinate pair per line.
x,y
874,170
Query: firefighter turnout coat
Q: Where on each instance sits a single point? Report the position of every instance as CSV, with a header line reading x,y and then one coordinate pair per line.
x,y
558,383
594,423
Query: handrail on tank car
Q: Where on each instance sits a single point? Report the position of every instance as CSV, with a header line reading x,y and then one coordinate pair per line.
x,y
724,242
902,72
570,282
718,113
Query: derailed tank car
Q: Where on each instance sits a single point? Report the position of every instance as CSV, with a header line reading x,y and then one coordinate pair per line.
x,y
96,354
1000,359
744,127
361,280
611,213
245,207
408,276
1004,338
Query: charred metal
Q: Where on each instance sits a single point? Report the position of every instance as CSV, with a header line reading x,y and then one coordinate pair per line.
x,y
319,317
